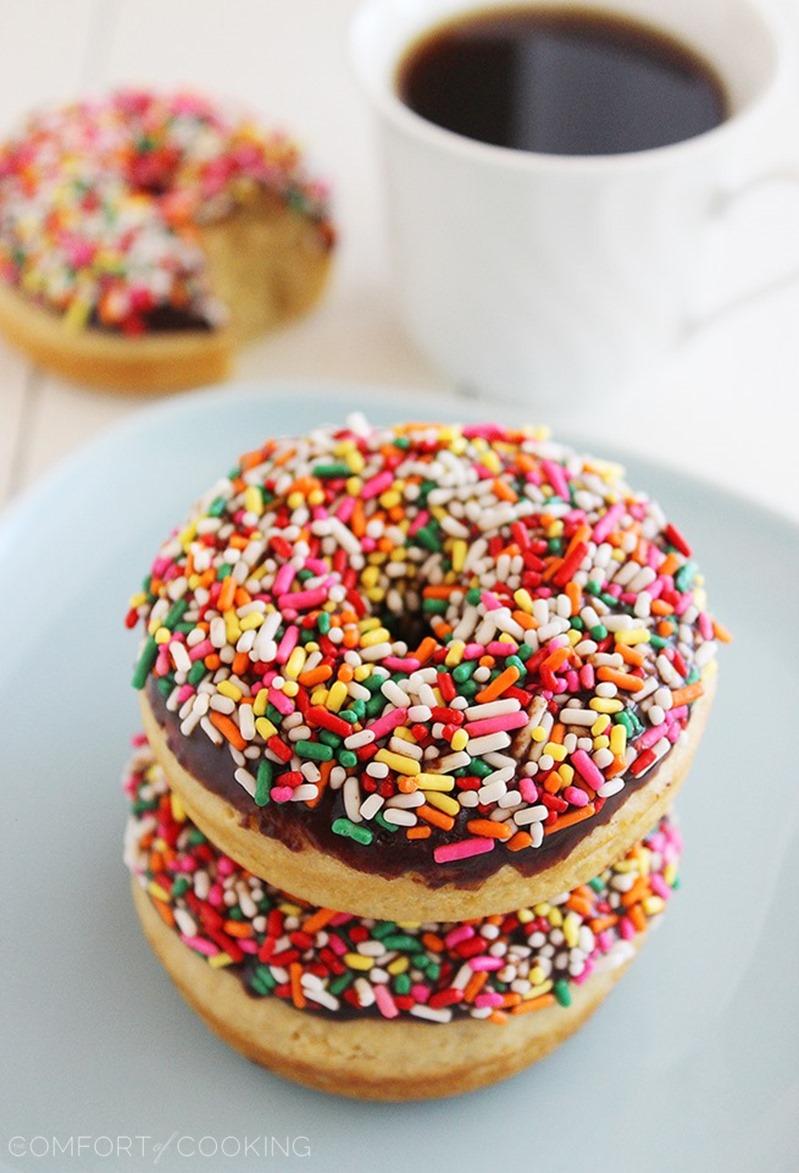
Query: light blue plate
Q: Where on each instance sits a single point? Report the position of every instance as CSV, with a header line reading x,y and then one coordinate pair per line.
x,y
690,1066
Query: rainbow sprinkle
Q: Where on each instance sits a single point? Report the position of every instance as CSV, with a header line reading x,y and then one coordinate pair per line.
x,y
100,199
321,960
470,637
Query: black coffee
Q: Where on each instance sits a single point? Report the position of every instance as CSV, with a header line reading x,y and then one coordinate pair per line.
x,y
561,81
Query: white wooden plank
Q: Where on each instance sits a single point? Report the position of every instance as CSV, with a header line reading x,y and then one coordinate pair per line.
x,y
16,403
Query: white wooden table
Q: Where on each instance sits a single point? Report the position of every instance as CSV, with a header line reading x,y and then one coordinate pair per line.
x,y
725,404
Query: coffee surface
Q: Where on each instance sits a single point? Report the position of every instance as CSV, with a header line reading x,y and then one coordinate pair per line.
x,y
560,81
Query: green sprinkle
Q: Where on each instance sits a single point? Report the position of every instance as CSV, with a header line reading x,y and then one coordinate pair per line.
x,y
402,984
175,614
393,827
217,507
351,830
561,992
685,576
263,782
196,672
347,758
146,660
332,471
323,622
599,631
338,985
464,671
314,750
427,537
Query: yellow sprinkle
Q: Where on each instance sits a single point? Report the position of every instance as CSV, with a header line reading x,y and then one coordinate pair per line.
x,y
319,696
435,782
253,501
358,961
376,595
378,636
555,917
536,974
316,497
363,672
601,704
624,865
541,909
601,742
455,652
556,751
443,802
633,635
290,688
537,991
295,500
264,726
163,635
177,808
398,965
524,916
404,734
295,663
336,696
355,462
670,873
157,891
538,733
522,600
459,552
395,761
354,486
652,905
600,725
260,702
254,619
571,926
460,739
232,627
390,499
566,773
618,740
137,599
218,960
230,690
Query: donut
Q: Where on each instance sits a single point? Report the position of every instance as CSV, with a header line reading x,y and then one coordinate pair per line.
x,y
376,1009
144,236
430,667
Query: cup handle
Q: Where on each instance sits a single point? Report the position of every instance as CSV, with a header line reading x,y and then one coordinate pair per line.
x,y
722,204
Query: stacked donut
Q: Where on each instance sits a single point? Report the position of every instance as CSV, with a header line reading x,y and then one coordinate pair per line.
x,y
416,701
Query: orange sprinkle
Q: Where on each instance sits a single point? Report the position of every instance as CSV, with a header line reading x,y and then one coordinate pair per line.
x,y
519,841
630,655
661,607
297,996
669,565
240,662
425,649
621,679
503,491
418,833
575,596
505,680
436,817
569,819
475,985
163,910
534,1004
318,920
315,676
721,632
212,661
600,923
226,594
688,693
406,784
229,729
638,917
238,928
433,942
489,829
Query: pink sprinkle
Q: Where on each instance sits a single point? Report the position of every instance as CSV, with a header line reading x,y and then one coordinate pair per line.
x,y
184,692
385,1003
575,797
248,946
528,790
659,886
282,703
463,849
200,945
496,724
344,511
282,793
705,625
287,644
377,485
202,649
490,999
626,928
490,601
587,678
455,936
303,600
395,664
284,578
607,522
586,769
556,477
420,993
486,962
651,736
337,945
387,722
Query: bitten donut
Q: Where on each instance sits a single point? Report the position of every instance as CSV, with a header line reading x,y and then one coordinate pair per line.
x,y
429,667
377,1009
144,236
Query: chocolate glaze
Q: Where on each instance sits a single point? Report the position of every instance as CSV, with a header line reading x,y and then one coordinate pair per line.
x,y
390,854
162,319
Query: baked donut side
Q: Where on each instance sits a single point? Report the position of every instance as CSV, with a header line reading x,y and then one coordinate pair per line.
x,y
371,1059
322,879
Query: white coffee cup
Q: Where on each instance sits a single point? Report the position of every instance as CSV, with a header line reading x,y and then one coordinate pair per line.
x,y
528,276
